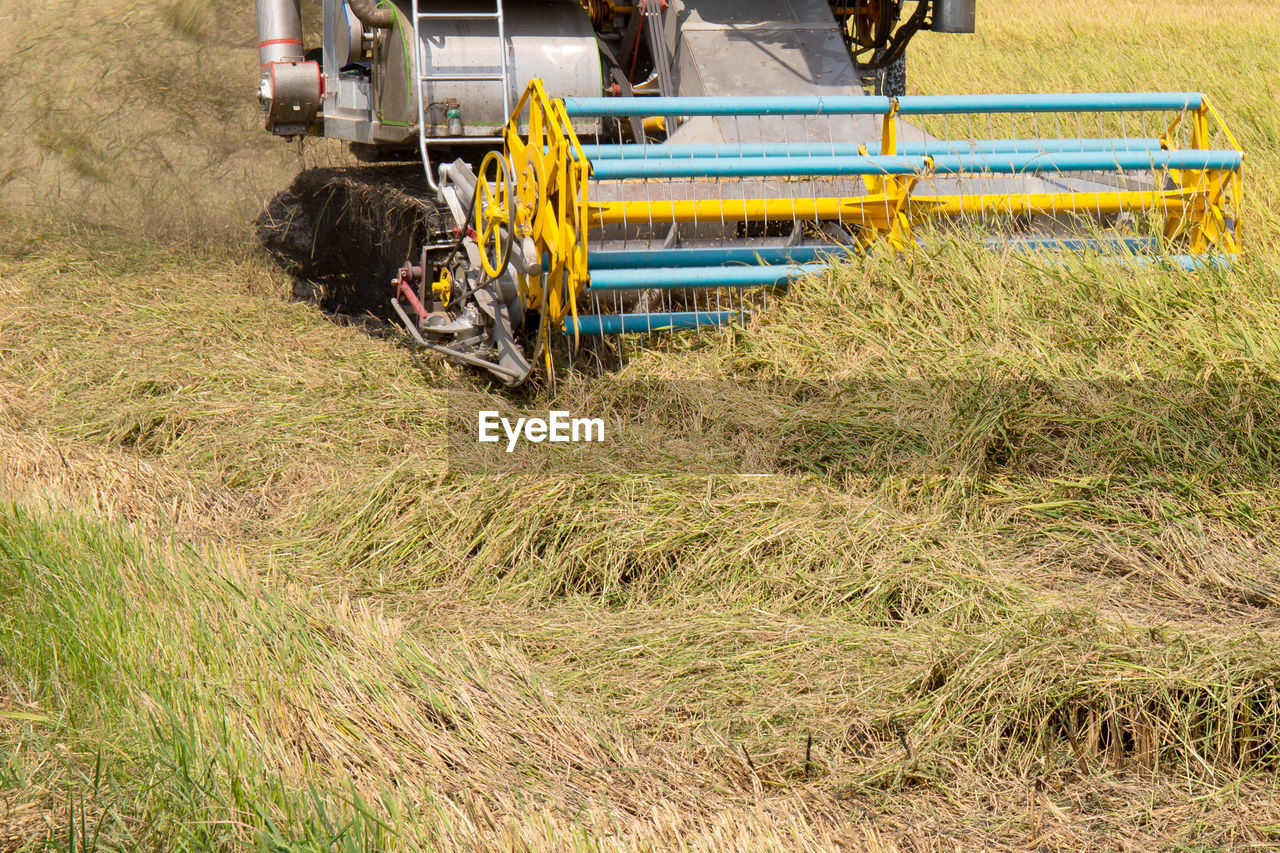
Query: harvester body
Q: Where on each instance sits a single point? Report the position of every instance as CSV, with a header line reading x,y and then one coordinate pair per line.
x,y
609,170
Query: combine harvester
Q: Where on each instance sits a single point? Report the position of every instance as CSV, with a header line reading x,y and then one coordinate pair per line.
x,y
608,170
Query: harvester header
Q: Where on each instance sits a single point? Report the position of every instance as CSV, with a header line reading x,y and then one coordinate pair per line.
x,y
689,225
672,193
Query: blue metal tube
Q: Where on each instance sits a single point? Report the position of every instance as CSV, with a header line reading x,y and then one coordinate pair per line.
x,y
618,324
626,259
678,278
1190,263
865,105
1091,102
1137,245
689,167
945,164
760,106
1008,164
839,149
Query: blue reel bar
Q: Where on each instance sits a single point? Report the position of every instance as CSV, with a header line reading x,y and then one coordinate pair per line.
x,y
635,259
945,164
1092,161
852,105
862,105
667,321
595,153
678,277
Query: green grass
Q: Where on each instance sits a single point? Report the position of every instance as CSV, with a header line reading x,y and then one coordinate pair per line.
x,y
1005,575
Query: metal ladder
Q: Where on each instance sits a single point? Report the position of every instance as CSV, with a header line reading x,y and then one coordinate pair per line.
x,y
504,77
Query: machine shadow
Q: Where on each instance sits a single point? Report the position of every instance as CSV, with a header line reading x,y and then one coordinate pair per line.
x,y
342,233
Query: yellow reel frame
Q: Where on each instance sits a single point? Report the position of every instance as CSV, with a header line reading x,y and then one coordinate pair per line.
x,y
494,233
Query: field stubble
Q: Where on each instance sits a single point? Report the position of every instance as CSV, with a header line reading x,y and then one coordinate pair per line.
x,y
1010,580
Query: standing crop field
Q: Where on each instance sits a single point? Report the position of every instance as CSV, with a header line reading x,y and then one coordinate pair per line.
x,y
1005,574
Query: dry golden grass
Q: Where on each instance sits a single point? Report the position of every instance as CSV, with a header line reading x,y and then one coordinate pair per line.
x,y
1010,582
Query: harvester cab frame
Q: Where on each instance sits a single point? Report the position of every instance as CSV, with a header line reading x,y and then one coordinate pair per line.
x,y
606,171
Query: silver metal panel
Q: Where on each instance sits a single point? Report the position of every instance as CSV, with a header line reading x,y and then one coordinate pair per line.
x,y
767,47
363,130
353,95
332,18
351,100
550,39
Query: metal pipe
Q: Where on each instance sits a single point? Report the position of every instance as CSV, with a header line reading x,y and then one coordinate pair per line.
x,y
737,167
1094,102
1190,263
371,16
279,31
1016,164
678,278
627,151
872,210
1134,245
619,324
942,164
710,256
635,260
868,105
704,106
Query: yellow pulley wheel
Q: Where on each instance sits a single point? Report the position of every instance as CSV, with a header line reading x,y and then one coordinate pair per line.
x,y
443,288
494,231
